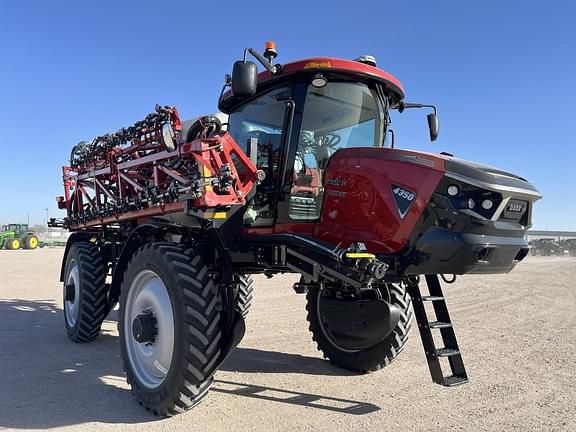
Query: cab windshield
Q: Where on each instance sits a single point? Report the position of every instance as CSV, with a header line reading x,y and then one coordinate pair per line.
x,y
338,115
342,115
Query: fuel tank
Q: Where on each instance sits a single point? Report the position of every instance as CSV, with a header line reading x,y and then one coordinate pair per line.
x,y
426,213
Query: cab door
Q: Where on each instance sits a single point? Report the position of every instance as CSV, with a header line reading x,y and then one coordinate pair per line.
x,y
260,128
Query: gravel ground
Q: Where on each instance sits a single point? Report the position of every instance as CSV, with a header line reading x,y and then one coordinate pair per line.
x,y
517,333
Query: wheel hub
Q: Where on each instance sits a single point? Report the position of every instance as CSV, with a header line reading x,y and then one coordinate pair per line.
x,y
149,332
353,325
145,328
69,292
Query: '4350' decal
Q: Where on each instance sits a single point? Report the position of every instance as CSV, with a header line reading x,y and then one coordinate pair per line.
x,y
403,198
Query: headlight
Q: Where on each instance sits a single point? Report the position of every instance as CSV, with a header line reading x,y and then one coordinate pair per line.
x,y
453,190
487,204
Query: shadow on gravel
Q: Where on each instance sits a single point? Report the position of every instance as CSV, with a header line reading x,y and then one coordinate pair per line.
x,y
327,403
250,360
46,381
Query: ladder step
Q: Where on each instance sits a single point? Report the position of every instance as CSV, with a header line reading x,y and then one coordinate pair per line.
x,y
454,380
447,352
440,320
439,324
432,298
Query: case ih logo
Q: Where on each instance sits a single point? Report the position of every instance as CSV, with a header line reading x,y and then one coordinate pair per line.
x,y
338,182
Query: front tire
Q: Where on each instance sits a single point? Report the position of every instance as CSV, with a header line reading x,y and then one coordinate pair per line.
x,y
369,359
14,244
169,327
85,292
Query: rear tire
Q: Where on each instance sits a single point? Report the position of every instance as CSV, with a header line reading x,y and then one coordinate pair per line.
x,y
85,292
245,293
172,370
372,358
31,242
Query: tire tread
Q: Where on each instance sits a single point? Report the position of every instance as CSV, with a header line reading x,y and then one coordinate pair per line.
x,y
94,293
245,287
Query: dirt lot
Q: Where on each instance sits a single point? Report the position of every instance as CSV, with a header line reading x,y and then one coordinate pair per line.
x,y
517,333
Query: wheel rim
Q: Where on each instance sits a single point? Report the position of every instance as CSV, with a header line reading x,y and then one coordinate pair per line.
x,y
71,308
150,361
15,244
33,242
384,294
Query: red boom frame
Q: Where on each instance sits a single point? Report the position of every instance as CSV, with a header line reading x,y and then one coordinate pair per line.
x,y
144,179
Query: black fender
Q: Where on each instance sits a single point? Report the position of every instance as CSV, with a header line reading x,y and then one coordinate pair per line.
x,y
74,237
137,238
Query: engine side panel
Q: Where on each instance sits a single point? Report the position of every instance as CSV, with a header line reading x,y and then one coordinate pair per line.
x,y
359,203
376,196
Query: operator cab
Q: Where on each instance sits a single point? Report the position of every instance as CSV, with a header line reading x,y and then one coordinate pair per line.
x,y
16,228
296,117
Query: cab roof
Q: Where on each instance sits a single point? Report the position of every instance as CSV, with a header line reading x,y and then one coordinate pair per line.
x,y
330,66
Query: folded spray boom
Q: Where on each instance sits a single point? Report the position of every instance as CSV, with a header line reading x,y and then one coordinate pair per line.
x,y
147,170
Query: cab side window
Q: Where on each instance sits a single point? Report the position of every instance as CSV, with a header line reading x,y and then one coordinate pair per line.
x,y
261,121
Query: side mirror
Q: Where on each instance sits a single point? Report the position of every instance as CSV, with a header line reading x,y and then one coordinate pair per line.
x,y
244,79
433,126
168,136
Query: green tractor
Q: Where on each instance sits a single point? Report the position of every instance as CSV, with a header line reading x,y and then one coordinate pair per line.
x,y
544,247
568,245
571,243
16,236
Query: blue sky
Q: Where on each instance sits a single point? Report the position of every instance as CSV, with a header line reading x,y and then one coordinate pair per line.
x,y
503,75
